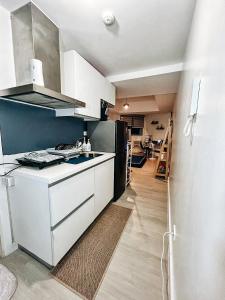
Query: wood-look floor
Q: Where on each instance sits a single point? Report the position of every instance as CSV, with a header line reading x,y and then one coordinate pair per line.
x,y
134,271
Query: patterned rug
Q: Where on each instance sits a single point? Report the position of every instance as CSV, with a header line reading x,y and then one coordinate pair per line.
x,y
83,267
138,161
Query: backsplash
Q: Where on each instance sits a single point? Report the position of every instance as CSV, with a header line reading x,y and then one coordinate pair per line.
x,y
27,128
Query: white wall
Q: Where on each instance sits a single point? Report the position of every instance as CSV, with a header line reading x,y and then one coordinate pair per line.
x,y
7,79
150,129
7,76
197,181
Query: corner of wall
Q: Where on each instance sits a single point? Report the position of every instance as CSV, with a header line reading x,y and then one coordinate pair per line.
x,y
171,278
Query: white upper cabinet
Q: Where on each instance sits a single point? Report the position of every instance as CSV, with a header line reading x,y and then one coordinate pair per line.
x,y
110,92
83,82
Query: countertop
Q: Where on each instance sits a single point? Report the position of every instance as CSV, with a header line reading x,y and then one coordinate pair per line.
x,y
52,174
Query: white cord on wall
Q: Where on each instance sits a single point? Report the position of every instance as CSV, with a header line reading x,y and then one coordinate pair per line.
x,y
191,119
188,126
161,262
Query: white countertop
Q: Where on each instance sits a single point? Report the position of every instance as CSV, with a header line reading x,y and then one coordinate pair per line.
x,y
56,173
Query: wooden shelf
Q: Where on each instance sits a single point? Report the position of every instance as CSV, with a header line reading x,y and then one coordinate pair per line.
x,y
163,159
160,174
129,162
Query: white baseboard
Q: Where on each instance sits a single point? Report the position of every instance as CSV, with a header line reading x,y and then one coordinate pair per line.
x,y
170,252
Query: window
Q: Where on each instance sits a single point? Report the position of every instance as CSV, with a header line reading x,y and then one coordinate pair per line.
x,y
136,131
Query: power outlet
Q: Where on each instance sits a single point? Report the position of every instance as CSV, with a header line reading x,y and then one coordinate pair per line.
x,y
174,232
8,181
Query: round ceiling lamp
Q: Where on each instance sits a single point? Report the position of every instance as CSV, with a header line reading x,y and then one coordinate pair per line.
x,y
126,105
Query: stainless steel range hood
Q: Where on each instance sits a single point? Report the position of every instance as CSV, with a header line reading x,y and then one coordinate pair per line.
x,y
35,36
41,96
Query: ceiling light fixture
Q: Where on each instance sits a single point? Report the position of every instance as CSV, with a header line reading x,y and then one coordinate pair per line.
x,y
108,18
126,105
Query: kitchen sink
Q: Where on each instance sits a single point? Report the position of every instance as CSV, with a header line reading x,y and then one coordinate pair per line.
x,y
83,157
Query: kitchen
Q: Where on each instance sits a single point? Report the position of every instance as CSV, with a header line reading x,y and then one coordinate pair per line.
x,y
55,182
102,181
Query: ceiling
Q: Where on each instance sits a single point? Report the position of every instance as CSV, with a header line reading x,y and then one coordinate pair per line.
x,y
145,105
146,34
141,54
152,85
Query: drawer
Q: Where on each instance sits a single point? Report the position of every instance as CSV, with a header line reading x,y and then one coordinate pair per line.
x,y
69,194
69,231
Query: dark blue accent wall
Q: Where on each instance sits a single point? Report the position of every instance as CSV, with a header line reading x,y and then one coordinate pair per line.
x,y
27,128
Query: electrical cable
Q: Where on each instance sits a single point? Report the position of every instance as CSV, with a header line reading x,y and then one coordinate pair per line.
x,y
192,129
7,173
188,126
9,164
161,262
167,277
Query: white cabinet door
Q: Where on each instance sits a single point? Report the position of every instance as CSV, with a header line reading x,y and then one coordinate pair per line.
x,y
30,216
83,82
80,81
104,185
87,87
110,92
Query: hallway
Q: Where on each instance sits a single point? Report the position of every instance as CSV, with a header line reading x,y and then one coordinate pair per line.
x,y
134,271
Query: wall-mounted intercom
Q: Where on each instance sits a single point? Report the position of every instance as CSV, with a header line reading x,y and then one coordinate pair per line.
x,y
188,128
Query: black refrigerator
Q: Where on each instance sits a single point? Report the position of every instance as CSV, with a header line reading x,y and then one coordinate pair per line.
x,y
111,136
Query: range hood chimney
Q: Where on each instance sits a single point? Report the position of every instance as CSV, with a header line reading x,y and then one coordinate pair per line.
x,y
37,37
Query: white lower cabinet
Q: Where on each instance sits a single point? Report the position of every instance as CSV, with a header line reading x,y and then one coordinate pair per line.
x,y
104,185
67,233
48,220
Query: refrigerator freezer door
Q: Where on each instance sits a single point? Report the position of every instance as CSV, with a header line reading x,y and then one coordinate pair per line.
x,y
102,135
121,136
120,159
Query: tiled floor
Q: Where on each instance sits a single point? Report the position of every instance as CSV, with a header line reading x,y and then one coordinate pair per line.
x,y
134,271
